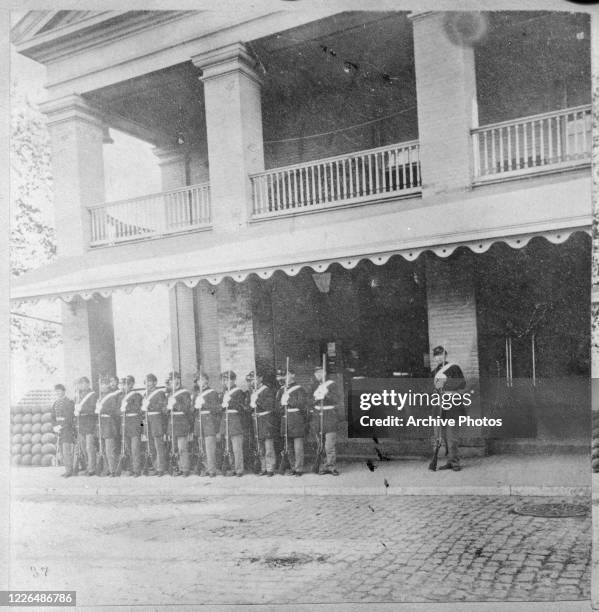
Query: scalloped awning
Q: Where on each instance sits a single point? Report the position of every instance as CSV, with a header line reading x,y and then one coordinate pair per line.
x,y
70,278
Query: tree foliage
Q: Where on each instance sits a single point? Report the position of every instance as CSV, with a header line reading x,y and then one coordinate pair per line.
x,y
32,240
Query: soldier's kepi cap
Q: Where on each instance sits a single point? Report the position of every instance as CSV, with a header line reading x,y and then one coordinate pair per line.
x,y
174,374
439,350
282,372
83,379
228,374
151,377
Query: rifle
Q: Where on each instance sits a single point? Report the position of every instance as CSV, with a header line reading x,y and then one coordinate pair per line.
x,y
320,446
119,464
78,453
173,451
226,464
285,463
257,456
102,463
201,459
148,458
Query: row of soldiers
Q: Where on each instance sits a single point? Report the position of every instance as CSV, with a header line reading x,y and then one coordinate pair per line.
x,y
180,425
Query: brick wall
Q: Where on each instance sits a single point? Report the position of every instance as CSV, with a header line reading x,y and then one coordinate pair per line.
x,y
88,339
235,325
451,305
208,331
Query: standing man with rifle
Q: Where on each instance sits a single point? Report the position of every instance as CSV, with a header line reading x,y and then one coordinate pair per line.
x,y
132,417
448,378
180,411
85,412
262,402
63,424
231,428
108,411
292,405
207,408
154,407
326,401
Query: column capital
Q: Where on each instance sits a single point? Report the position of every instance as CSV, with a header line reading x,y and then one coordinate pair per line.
x,y
228,59
170,154
419,14
72,107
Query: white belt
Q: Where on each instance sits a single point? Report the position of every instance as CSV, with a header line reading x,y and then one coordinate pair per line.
x,y
263,413
325,407
154,412
178,413
205,412
132,414
292,410
231,411
60,418
106,416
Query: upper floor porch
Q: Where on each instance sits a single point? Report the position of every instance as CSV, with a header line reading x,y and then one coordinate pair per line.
x,y
352,110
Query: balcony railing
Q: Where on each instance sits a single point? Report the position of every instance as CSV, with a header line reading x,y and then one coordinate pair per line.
x,y
357,177
160,214
539,143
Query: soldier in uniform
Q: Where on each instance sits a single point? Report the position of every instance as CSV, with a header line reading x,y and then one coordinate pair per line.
x,y
154,406
85,414
326,404
180,421
448,378
292,406
63,422
207,408
108,410
132,415
232,407
114,384
262,405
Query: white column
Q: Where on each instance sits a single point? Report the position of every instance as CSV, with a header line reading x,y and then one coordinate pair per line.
x,y
173,162
234,132
447,109
77,135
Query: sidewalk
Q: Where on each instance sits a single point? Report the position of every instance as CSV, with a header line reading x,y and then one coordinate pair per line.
x,y
551,475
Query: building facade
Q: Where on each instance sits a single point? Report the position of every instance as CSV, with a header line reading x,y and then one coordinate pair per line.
x,y
368,184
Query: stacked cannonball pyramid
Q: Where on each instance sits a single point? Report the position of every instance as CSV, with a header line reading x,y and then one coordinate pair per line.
x,y
595,459
32,437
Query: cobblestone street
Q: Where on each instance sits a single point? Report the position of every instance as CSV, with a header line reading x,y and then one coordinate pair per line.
x,y
259,549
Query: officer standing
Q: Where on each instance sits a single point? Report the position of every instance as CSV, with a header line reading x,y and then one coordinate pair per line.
x,y
85,413
63,422
292,405
324,417
180,420
233,406
448,378
132,416
107,409
154,406
262,404
207,409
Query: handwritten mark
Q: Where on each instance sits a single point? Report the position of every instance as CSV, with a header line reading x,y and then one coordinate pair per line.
x,y
371,465
386,483
371,507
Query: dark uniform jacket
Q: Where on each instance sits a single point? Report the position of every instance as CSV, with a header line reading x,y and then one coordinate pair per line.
x,y
232,409
108,409
262,407
154,405
328,406
63,415
207,408
455,381
132,412
180,413
296,400
85,408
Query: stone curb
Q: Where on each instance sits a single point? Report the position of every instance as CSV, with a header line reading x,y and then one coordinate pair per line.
x,y
379,491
